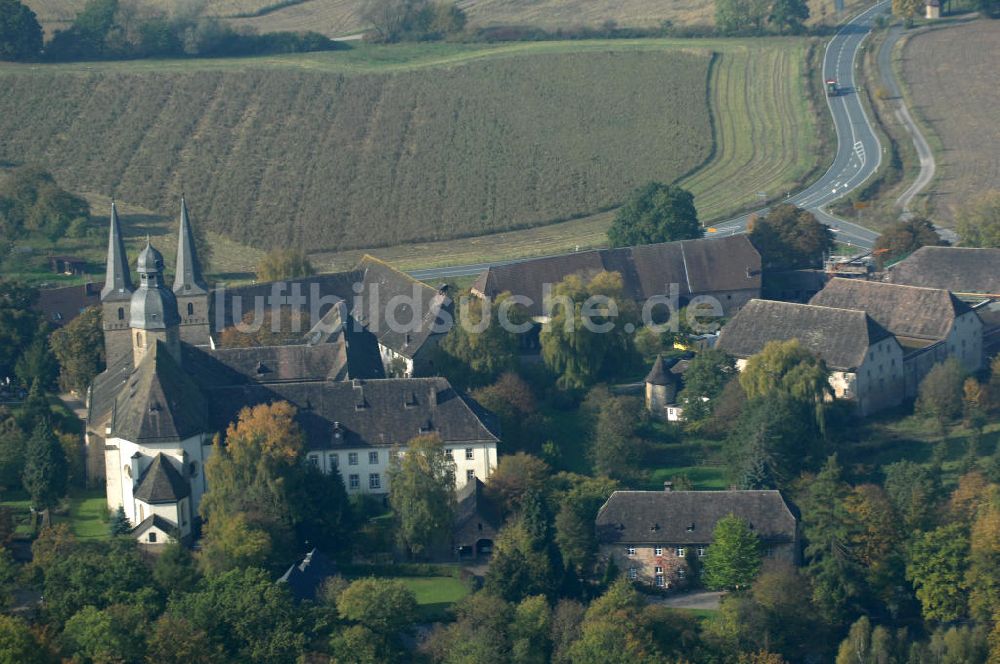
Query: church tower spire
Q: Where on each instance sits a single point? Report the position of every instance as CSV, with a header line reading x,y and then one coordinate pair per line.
x,y
188,278
189,286
117,280
116,296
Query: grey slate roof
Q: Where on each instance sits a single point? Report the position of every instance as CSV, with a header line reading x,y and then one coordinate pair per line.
x,y
362,413
188,279
275,364
157,402
163,523
961,270
689,517
382,283
473,503
378,283
697,267
659,375
841,337
153,305
118,277
906,311
162,483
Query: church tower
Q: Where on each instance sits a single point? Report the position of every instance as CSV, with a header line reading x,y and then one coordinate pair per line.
x,y
189,287
153,309
116,296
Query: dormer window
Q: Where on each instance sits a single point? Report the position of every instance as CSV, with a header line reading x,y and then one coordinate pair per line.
x,y
690,527
655,527
427,427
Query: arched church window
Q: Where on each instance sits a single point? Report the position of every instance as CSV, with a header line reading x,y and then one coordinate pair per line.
x,y
138,339
190,309
193,469
121,313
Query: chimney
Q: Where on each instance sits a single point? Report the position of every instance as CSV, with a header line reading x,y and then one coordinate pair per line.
x,y
434,396
668,486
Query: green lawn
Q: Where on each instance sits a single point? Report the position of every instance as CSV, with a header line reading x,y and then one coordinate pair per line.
x,y
703,477
87,514
432,590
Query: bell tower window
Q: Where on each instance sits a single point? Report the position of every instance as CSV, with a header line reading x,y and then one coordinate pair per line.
x,y
190,309
121,313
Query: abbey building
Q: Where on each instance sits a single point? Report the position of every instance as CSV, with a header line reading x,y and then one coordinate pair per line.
x,y
362,388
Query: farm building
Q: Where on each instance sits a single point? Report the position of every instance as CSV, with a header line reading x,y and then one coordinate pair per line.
x,y
865,360
727,269
930,324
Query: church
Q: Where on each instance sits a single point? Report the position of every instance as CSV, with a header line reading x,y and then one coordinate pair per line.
x,y
362,391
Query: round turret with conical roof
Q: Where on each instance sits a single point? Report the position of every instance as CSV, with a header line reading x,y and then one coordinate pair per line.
x,y
661,387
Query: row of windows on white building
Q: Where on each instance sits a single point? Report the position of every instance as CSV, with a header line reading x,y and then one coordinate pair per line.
x,y
375,480
353,458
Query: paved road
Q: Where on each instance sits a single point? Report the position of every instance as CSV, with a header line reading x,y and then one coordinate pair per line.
x,y
859,152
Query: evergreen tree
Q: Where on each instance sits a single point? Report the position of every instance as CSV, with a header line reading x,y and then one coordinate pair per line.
x,y
45,468
120,524
826,525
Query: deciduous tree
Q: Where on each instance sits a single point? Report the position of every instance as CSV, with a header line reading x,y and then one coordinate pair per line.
x,y
79,348
788,15
478,348
18,644
20,32
280,264
248,511
422,494
940,394
385,606
704,379
655,212
790,238
588,335
979,221
733,559
513,400
936,566
903,238
616,450
516,476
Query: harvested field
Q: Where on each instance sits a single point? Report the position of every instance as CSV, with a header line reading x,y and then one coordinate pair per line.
x,y
951,78
323,160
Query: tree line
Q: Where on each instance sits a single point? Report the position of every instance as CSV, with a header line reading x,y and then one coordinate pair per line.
x,y
126,29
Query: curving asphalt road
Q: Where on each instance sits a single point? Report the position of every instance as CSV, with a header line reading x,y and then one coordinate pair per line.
x,y
858,157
